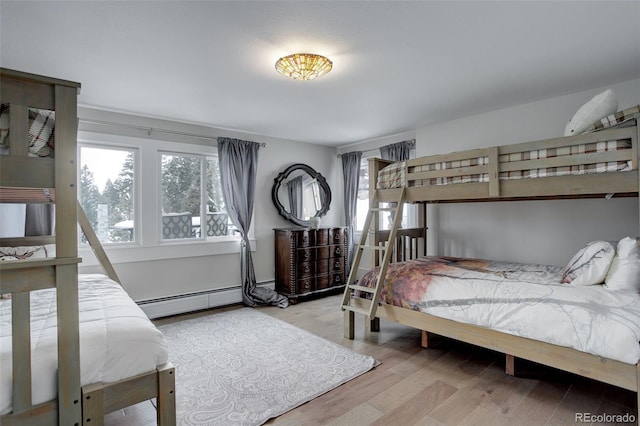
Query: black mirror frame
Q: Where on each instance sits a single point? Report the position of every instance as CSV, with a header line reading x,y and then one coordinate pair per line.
x,y
277,182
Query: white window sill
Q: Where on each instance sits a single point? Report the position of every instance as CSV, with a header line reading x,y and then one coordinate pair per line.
x,y
128,253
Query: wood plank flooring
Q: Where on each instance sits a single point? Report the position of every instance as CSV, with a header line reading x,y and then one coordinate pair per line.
x,y
450,383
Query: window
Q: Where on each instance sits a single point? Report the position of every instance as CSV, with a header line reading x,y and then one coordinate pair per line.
x,y
362,206
106,193
188,195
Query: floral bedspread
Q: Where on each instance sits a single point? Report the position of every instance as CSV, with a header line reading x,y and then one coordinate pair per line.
x,y
519,299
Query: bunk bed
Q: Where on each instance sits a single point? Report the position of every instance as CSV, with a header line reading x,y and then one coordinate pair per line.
x,y
53,321
601,163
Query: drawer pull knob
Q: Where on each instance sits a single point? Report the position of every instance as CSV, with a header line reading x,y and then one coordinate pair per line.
x,y
338,251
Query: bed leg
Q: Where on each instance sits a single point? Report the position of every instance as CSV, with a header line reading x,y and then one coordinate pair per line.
x,y
166,411
93,404
372,325
425,339
510,365
349,325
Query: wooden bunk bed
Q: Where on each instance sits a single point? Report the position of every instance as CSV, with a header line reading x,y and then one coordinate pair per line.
x,y
488,175
29,178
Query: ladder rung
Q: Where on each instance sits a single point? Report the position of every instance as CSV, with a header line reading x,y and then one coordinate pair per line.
x,y
383,209
355,309
362,288
379,248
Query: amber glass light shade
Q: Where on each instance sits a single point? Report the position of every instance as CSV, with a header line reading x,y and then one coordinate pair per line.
x,y
303,66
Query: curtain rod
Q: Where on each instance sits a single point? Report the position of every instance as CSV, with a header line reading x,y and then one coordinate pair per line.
x,y
413,141
152,129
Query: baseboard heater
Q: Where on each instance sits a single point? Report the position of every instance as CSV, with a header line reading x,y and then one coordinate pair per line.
x,y
191,302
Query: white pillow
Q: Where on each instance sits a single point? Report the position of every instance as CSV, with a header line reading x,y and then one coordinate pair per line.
x,y
589,265
624,273
600,106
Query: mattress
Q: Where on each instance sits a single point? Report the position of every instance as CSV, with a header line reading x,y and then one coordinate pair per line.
x,y
518,299
395,175
117,339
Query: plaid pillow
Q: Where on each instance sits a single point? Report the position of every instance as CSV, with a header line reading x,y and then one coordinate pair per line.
x,y
41,125
614,119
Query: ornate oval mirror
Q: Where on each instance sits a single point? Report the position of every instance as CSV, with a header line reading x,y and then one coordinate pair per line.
x,y
299,192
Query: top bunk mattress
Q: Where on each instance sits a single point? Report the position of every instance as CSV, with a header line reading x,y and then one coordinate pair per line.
x,y
518,299
117,339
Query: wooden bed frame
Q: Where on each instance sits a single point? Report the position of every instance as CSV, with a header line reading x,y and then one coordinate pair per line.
x,y
625,183
22,179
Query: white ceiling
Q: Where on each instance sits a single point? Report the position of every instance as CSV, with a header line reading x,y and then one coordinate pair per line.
x,y
397,65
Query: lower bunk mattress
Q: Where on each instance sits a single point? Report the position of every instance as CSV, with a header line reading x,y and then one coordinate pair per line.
x,y
117,339
518,299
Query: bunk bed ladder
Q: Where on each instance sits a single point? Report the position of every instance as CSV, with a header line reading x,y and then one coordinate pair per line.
x,y
387,249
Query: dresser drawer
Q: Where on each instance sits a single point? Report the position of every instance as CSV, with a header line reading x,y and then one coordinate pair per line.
x,y
323,252
321,237
329,252
305,269
337,236
336,264
337,278
329,265
323,281
305,255
336,251
304,238
322,266
330,280
305,285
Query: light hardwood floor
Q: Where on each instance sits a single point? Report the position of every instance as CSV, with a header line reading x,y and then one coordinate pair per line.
x,y
450,383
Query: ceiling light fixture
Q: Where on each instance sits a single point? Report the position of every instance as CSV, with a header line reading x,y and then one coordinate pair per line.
x,y
303,66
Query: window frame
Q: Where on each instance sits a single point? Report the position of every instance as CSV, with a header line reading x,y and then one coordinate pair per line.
x,y
203,159
148,245
136,186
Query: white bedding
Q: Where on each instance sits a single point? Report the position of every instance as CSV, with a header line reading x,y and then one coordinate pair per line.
x,y
522,300
117,340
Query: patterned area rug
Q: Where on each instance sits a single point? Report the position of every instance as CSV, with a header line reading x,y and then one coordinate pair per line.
x,y
244,367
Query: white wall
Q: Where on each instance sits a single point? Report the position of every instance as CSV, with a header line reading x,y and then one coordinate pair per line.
x,y
546,232
147,279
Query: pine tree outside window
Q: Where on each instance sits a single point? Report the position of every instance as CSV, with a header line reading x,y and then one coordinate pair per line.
x,y
106,192
191,198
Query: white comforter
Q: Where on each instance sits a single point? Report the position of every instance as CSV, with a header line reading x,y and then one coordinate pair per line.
x,y
117,340
518,299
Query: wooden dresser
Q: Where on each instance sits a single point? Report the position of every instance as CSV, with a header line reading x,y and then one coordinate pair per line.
x,y
310,261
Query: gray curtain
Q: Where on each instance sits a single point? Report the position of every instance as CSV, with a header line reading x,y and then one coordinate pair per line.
x,y
351,175
238,166
397,151
294,187
39,220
